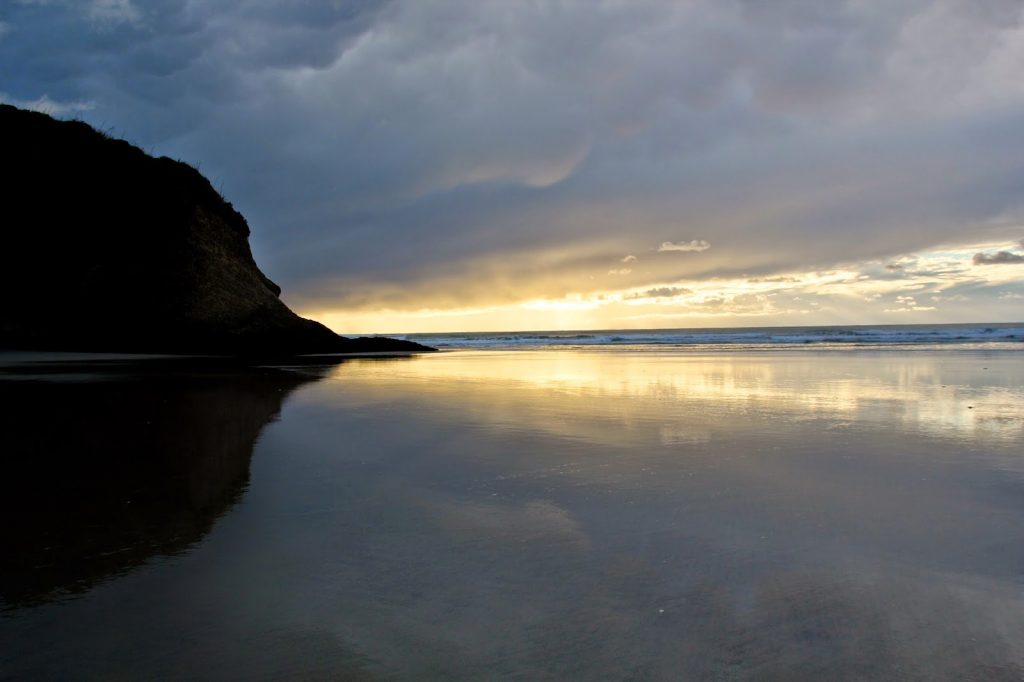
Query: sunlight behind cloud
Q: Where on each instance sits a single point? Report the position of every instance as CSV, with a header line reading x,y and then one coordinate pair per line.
x,y
929,286
473,156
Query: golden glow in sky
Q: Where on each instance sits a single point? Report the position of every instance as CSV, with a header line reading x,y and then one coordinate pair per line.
x,y
933,286
466,165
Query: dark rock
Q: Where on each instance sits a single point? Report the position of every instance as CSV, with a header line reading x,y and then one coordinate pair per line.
x,y
106,248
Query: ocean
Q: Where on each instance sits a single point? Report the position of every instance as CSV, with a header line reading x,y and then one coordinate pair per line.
x,y
978,336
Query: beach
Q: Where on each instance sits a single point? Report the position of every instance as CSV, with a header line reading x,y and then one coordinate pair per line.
x,y
562,513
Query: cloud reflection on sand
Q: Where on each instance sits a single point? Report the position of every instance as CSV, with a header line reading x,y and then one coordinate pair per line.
x,y
790,516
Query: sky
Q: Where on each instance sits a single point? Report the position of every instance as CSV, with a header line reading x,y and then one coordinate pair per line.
x,y
459,165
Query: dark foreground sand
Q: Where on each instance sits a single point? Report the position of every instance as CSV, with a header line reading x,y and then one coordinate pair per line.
x,y
548,515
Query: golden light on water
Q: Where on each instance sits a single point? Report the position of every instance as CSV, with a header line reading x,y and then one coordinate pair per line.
x,y
687,394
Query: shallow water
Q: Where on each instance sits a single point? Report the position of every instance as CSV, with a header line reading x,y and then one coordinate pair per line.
x,y
541,515
997,336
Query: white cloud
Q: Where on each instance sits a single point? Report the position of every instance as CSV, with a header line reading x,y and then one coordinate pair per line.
x,y
629,259
911,309
697,245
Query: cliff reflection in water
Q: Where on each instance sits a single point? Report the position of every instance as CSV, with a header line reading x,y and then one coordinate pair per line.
x,y
106,466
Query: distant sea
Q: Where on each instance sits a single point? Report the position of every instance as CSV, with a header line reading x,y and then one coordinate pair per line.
x,y
976,336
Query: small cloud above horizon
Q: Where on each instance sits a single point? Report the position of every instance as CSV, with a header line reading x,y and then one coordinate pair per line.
x,y
696,245
660,292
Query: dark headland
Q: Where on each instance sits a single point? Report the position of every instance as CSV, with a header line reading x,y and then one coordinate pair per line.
x,y
108,249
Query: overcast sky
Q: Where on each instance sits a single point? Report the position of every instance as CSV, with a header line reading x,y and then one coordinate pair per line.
x,y
470,164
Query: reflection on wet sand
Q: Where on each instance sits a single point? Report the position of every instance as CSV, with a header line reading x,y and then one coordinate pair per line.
x,y
612,393
669,516
551,516
946,394
106,466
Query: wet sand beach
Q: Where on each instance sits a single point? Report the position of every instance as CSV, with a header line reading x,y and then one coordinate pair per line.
x,y
556,514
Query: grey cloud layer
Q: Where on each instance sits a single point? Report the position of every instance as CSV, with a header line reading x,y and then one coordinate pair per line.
x,y
524,147
998,258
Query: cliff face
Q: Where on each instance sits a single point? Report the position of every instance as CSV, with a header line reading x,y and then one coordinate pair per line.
x,y
106,248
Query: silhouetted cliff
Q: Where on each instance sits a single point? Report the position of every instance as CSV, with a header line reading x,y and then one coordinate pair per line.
x,y
106,248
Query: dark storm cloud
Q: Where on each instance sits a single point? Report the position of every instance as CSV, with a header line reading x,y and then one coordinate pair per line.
x,y
390,146
161,69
